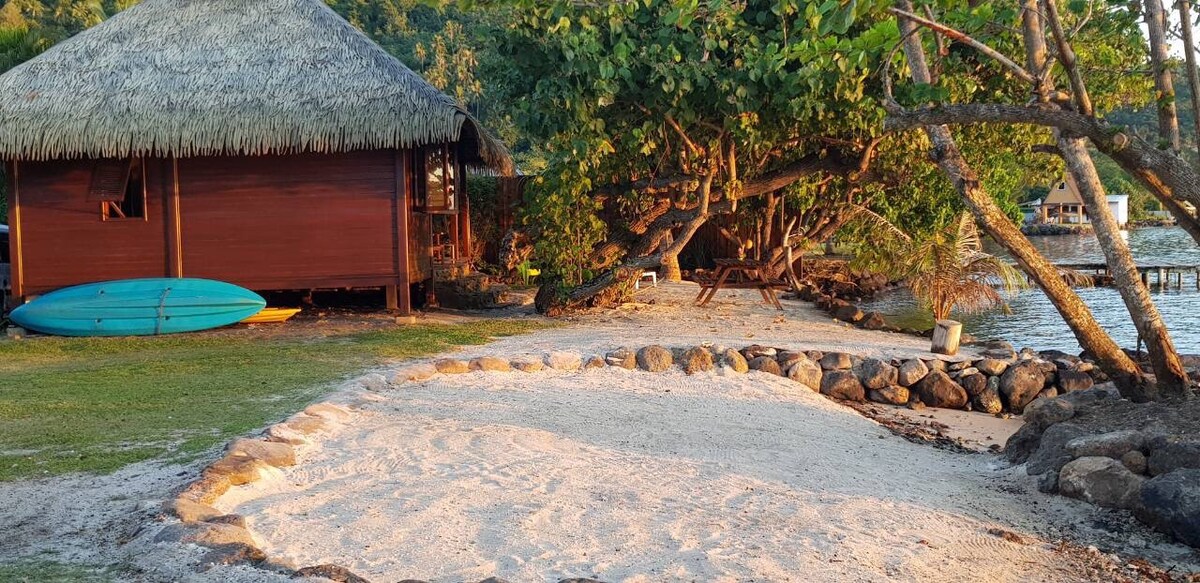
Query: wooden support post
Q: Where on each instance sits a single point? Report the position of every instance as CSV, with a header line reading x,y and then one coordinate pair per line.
x,y
946,336
1161,282
15,250
393,301
1146,278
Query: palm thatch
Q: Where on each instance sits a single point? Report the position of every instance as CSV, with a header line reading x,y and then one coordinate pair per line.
x,y
207,77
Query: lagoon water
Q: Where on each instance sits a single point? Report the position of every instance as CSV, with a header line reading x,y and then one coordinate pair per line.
x,y
1034,322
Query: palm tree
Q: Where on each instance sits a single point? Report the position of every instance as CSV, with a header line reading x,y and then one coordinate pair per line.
x,y
948,270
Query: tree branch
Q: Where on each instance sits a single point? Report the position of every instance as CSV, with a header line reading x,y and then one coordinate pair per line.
x,y
968,40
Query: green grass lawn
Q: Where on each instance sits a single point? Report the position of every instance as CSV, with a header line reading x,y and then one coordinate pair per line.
x,y
49,572
96,404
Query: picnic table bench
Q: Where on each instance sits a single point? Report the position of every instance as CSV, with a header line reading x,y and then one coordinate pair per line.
x,y
739,274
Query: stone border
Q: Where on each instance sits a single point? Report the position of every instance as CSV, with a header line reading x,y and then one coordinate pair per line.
x,y
998,383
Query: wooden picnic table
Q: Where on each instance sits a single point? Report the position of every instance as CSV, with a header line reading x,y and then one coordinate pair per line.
x,y
739,274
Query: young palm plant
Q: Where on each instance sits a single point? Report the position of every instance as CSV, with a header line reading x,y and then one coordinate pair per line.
x,y
949,270
946,270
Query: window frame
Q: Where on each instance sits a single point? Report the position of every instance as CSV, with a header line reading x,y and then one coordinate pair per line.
x,y
110,207
447,202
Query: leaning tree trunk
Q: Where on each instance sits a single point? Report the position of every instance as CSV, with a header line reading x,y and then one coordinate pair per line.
x,y
1111,359
1168,370
1165,361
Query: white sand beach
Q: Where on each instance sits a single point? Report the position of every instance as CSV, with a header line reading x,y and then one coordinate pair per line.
x,y
631,476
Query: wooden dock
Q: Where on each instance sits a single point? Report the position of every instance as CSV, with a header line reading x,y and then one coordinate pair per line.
x,y
1164,273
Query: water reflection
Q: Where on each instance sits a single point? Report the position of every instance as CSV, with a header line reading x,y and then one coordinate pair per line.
x,y
1035,323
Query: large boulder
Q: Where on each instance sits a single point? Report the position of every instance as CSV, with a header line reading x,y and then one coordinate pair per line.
x,y
1043,413
911,371
875,373
756,350
974,383
1168,455
988,401
527,363
335,573
204,534
276,454
1171,504
842,384
696,359
873,321
893,395
937,389
1020,384
734,360
807,373
766,364
654,358
1051,453
1113,444
1103,481
836,361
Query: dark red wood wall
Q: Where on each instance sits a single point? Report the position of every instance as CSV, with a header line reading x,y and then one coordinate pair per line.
x,y
63,239
267,222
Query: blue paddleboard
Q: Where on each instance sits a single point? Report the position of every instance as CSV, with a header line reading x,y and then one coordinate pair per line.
x,y
138,307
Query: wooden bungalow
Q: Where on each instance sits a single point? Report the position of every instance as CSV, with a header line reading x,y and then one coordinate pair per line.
x,y
267,143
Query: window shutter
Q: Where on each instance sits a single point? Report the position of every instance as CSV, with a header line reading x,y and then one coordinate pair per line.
x,y
109,178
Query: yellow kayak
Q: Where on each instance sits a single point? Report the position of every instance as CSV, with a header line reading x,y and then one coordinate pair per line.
x,y
272,316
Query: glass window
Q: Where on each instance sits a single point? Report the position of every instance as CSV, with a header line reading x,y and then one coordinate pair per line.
x,y
439,185
120,188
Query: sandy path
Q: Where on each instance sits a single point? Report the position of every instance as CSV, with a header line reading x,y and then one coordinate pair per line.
x,y
629,476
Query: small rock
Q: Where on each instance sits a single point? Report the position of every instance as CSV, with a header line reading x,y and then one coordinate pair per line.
x,y
373,382
329,411
489,364
416,372
1046,393
233,519
281,433
756,350
936,364
232,554
766,364
564,360
992,366
1171,503
1135,461
787,358
1114,444
306,424
915,404
1020,385
595,361
734,360
893,395
814,355
988,401
238,469
873,321
696,359
911,371
961,365
849,314
1102,481
842,384
807,373
623,357
335,573
204,534
937,389
188,510
876,374
451,366
280,455
654,359
527,364
836,361
1070,381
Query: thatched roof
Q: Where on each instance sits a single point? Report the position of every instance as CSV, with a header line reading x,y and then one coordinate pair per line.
x,y
201,77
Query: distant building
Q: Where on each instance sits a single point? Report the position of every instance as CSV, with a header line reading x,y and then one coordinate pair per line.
x,y
1064,206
